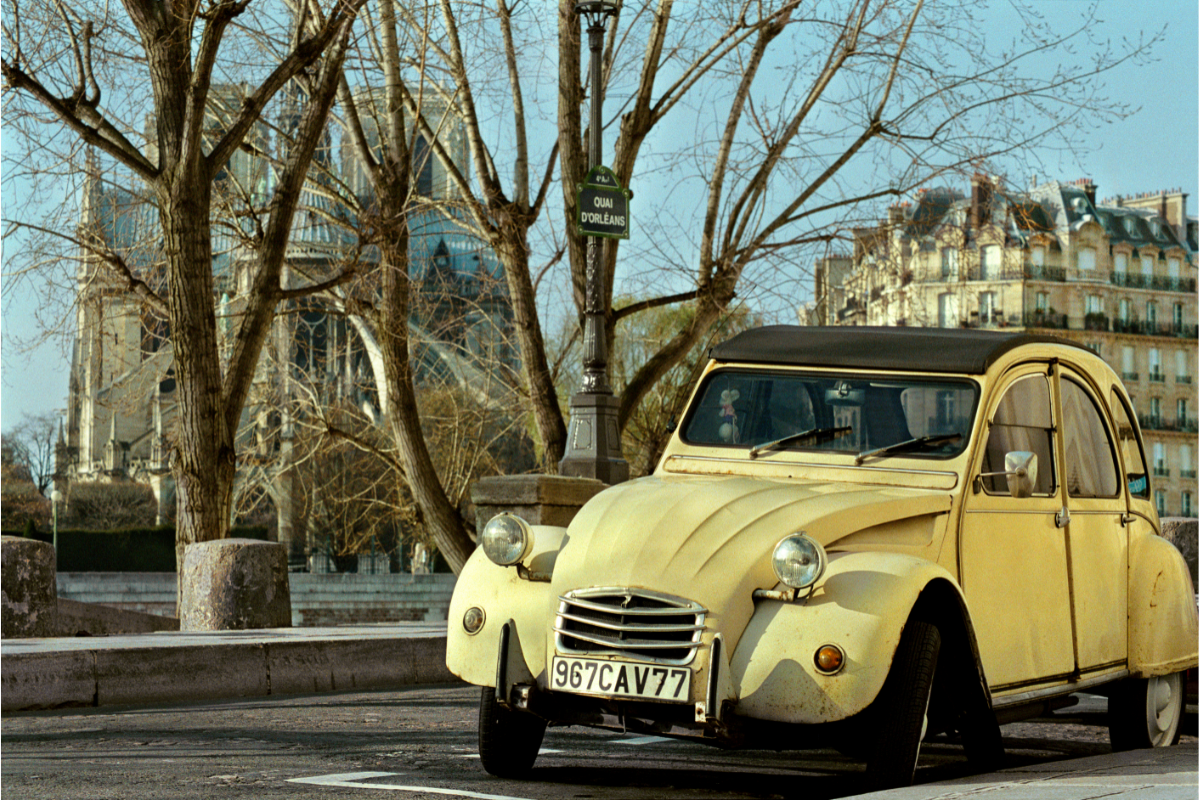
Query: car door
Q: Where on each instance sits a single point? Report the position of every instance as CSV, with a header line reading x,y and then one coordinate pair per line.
x,y
1097,539
1013,556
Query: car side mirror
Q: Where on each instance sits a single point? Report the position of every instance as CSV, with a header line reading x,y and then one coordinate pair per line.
x,y
1020,470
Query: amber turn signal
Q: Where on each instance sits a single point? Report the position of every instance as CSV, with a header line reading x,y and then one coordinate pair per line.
x,y
829,658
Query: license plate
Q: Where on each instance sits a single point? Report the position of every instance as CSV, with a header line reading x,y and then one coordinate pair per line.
x,y
620,679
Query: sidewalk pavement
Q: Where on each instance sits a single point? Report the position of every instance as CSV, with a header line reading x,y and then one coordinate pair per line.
x,y
173,666
1168,773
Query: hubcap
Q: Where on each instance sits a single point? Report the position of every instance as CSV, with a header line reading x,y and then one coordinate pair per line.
x,y
1162,708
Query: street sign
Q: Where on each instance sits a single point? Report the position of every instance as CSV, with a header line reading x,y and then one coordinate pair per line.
x,y
602,205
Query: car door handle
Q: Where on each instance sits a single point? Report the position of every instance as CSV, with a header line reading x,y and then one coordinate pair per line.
x,y
1063,518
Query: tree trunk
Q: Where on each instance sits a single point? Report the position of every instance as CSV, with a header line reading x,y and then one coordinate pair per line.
x,y
438,514
543,396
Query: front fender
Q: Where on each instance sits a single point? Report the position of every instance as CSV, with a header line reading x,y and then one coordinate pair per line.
x,y
861,604
503,595
1162,611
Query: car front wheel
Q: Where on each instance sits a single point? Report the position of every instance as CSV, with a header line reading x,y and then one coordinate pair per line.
x,y
902,708
508,740
1145,712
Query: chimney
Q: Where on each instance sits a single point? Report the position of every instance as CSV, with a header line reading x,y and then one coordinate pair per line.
x,y
1089,188
981,200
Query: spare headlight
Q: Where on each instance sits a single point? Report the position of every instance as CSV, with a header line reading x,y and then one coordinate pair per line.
x,y
799,561
506,539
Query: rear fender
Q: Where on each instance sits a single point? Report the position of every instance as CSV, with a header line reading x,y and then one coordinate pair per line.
x,y
862,605
1162,609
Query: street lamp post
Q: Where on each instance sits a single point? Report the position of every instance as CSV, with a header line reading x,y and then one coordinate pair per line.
x,y
55,498
593,438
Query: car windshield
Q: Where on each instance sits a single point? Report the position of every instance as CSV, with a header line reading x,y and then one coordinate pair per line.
x,y
764,411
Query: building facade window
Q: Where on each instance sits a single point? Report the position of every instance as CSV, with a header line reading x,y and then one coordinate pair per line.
x,y
1187,467
1120,263
1177,317
949,263
989,263
1042,302
1147,265
1128,370
1087,259
1173,268
1155,411
987,308
1123,309
1151,312
1160,502
1038,256
1186,507
1181,370
947,310
1156,371
1181,411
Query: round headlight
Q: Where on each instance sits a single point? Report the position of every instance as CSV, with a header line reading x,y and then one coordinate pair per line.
x,y
799,561
506,539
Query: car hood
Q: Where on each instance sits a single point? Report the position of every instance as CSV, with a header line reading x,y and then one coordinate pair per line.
x,y
709,539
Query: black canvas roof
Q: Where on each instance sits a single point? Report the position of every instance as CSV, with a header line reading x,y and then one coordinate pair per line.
x,y
917,349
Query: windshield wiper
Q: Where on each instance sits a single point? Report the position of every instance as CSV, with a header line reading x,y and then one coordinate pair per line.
x,y
941,438
795,437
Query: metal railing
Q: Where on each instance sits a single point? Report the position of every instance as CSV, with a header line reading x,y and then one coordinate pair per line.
x,y
1136,280
1129,376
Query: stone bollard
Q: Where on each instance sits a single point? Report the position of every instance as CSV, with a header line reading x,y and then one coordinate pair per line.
x,y
235,584
1181,532
28,582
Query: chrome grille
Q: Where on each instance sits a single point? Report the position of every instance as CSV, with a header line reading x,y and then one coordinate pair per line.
x,y
639,624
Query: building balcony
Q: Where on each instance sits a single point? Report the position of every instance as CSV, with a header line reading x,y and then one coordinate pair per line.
x,y
1188,473
977,273
1041,319
1140,328
1151,422
1095,322
1183,378
1037,273
1136,280
1162,472
1155,376
1129,377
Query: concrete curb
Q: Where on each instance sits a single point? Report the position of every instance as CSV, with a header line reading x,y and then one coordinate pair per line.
x,y
174,667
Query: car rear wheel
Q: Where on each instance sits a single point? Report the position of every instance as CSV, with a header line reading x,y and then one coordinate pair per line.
x,y
508,740
902,708
1145,712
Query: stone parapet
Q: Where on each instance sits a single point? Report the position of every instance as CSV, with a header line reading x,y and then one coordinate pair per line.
x,y
537,499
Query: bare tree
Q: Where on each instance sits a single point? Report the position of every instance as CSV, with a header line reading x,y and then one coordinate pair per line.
x,y
807,102
65,78
31,445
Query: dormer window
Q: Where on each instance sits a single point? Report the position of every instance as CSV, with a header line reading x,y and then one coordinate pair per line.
x,y
1130,226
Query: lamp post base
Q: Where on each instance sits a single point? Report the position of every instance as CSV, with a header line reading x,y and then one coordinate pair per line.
x,y
594,440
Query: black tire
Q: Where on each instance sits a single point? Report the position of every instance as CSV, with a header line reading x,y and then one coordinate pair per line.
x,y
508,740
900,713
1145,712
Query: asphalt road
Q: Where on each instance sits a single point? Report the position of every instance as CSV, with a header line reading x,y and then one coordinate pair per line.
x,y
420,743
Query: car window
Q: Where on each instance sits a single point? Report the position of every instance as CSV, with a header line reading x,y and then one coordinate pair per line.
x,y
1022,421
1091,469
846,413
1131,448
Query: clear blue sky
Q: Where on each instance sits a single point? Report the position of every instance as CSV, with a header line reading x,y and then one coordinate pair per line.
x,y
1157,148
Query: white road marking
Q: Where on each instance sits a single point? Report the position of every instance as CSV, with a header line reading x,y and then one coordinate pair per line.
x,y
641,740
544,751
353,780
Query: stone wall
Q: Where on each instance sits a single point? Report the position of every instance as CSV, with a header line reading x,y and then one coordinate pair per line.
x,y
317,600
